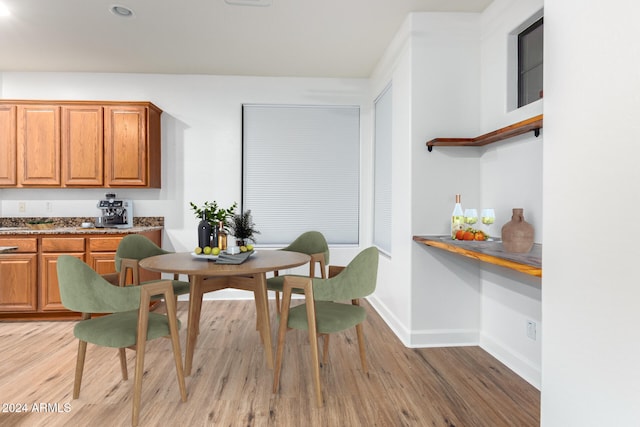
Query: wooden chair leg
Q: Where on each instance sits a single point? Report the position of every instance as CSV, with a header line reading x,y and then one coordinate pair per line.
x,y
137,387
325,350
313,341
175,344
123,363
82,351
141,342
282,332
278,305
363,355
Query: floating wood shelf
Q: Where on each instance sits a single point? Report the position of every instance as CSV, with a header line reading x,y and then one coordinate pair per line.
x,y
491,252
533,124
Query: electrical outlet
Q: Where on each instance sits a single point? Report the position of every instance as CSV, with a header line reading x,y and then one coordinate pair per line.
x,y
49,207
22,207
531,329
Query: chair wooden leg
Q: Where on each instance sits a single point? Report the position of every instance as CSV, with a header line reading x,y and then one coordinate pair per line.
x,y
137,387
325,350
82,351
141,342
278,305
282,332
363,355
123,363
313,341
175,343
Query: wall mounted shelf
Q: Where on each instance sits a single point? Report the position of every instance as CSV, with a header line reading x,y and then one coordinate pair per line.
x,y
491,252
533,124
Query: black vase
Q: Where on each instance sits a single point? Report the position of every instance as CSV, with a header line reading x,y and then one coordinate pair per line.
x,y
204,233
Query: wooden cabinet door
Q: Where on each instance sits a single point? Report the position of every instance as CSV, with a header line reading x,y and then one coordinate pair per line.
x,y
103,262
51,248
49,288
38,136
102,253
82,145
125,135
8,146
18,282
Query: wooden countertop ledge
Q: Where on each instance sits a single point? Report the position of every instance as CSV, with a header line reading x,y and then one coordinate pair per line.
x,y
491,252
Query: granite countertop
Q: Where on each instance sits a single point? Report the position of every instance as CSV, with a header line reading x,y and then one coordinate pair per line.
x,y
77,230
72,225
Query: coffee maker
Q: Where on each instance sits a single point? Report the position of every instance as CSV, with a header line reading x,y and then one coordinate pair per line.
x,y
115,213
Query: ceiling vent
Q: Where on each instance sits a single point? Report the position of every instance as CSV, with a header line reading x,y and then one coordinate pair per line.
x,y
262,3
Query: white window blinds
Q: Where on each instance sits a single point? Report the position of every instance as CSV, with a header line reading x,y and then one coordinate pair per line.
x,y
301,171
382,172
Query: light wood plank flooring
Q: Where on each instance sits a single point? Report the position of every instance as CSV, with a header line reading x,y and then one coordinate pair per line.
x,y
231,386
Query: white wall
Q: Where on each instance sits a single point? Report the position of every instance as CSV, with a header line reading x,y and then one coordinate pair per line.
x,y
449,75
445,102
393,292
432,64
201,141
511,177
431,78
591,294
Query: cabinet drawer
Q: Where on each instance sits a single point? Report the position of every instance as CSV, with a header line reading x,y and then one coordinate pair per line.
x,y
104,244
27,244
58,244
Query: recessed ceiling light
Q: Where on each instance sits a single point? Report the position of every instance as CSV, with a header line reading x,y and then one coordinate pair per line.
x,y
122,11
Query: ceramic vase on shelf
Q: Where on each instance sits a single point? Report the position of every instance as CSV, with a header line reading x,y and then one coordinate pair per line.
x,y
517,234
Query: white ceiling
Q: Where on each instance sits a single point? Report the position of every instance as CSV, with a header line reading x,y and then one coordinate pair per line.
x,y
322,38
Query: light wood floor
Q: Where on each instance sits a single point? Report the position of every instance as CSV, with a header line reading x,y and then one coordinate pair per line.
x,y
231,386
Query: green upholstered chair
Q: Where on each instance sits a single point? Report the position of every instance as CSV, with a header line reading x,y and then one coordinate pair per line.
x,y
311,243
323,314
132,249
129,324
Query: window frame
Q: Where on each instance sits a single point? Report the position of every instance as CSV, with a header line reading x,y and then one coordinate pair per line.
x,y
521,55
382,170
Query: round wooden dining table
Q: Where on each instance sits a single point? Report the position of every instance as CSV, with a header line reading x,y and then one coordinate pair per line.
x,y
206,275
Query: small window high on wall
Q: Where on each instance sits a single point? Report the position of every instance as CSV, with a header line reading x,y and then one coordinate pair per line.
x,y
530,62
301,171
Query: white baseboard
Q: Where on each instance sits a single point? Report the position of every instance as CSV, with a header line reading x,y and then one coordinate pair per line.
x,y
519,364
460,338
391,320
424,338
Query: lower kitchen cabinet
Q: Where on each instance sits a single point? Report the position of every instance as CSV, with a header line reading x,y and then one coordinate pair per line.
x,y
19,276
102,252
51,248
29,278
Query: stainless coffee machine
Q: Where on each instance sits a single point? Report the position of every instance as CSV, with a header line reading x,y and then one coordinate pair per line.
x,y
115,213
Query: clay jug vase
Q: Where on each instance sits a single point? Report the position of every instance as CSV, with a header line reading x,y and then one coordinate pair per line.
x,y
517,234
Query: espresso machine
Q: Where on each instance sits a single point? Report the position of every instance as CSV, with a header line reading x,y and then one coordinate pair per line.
x,y
115,213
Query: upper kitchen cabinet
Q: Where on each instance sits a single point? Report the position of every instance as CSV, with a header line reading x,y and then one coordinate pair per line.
x,y
83,146
38,145
8,146
132,146
80,144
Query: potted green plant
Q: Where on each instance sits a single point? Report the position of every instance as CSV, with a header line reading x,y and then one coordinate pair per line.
x,y
214,214
243,228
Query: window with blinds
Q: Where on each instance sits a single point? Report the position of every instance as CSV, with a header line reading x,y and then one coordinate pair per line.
x,y
301,171
382,172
